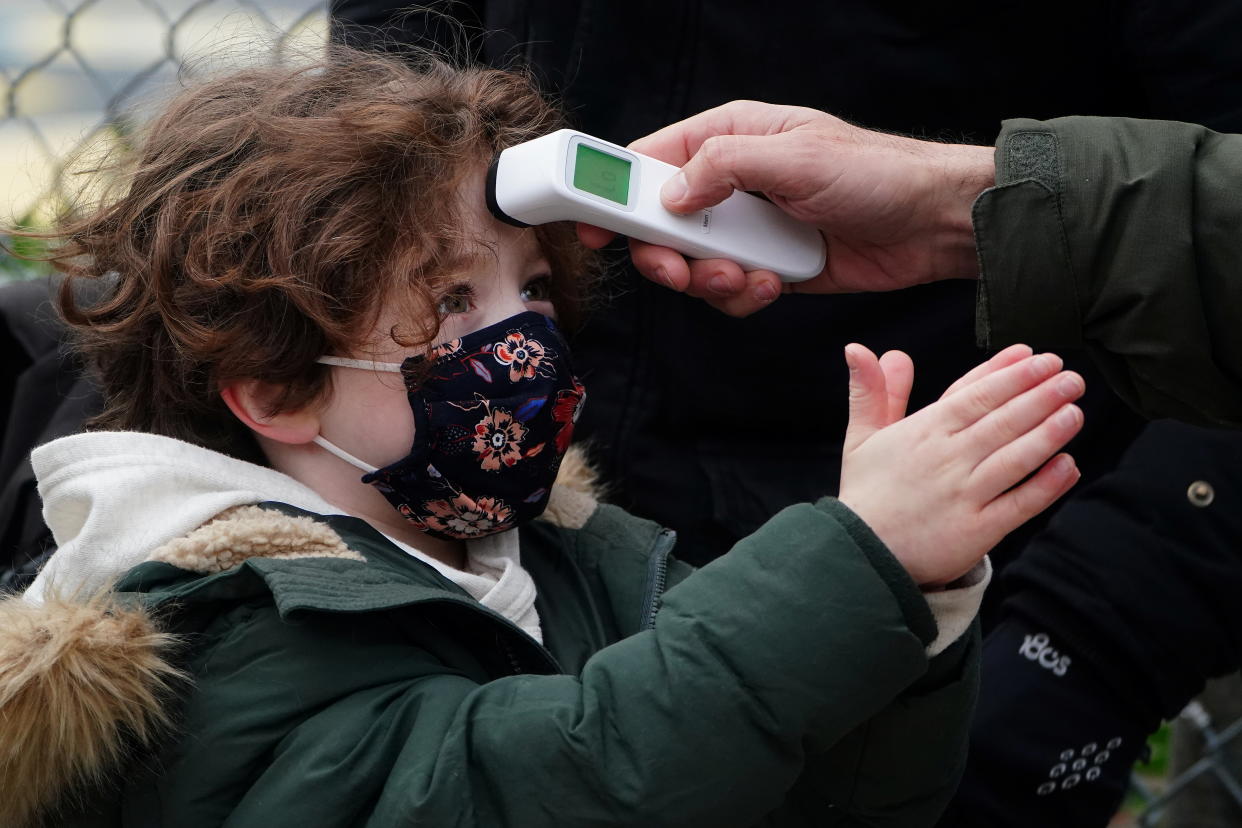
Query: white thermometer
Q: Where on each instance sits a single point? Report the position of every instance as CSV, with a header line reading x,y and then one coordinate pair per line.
x,y
569,176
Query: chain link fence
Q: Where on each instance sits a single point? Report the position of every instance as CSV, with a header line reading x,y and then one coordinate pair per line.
x,y
1204,788
74,77
1215,766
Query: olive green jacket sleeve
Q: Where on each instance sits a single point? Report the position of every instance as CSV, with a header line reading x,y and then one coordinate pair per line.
x,y
796,663
1123,236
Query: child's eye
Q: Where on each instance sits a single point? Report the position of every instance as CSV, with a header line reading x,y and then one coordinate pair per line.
x,y
458,300
538,289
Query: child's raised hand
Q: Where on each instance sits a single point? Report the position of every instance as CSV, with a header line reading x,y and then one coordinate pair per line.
x,y
940,487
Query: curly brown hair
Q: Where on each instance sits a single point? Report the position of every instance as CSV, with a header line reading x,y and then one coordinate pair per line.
x,y
268,215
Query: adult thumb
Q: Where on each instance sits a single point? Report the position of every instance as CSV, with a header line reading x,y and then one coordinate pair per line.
x,y
725,163
869,403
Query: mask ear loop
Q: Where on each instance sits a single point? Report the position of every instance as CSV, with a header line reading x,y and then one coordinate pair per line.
x,y
368,365
322,442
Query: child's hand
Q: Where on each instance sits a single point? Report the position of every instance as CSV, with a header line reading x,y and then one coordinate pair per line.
x,y
940,487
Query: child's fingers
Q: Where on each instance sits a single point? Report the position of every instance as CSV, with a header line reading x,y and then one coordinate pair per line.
x,y
1009,465
868,396
899,379
1021,414
982,397
1016,507
999,360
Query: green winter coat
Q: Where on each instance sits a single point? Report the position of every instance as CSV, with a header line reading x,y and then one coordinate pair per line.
x,y
344,683
1123,236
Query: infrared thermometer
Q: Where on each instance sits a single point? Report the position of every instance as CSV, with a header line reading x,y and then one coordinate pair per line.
x,y
570,176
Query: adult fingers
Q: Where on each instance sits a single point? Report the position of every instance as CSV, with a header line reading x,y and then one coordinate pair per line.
x,y
677,143
662,265
668,268
704,278
899,379
592,236
980,398
760,290
868,396
1021,414
1017,506
1007,466
774,164
715,278
1001,359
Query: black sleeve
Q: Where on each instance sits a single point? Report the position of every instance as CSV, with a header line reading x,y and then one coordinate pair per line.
x,y
384,24
43,395
453,29
1051,744
1184,57
1116,616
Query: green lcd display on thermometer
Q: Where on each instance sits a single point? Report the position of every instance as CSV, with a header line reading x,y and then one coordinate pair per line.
x,y
570,176
602,174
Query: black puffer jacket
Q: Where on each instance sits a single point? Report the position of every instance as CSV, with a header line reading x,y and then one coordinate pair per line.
x,y
697,425
44,397
1116,614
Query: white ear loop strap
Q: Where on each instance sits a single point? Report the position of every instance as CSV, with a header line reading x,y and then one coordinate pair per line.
x,y
367,365
320,440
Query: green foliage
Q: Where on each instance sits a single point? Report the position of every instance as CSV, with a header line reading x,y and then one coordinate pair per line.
x,y
20,257
1159,744
14,269
1153,774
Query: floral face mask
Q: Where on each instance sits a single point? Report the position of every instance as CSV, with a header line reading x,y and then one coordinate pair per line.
x,y
494,413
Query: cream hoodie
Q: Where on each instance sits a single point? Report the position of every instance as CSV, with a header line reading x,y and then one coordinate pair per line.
x,y
111,498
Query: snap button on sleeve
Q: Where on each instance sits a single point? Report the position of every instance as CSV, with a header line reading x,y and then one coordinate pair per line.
x,y
1201,493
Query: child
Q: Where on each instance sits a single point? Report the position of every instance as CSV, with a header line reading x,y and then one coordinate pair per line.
x,y
313,568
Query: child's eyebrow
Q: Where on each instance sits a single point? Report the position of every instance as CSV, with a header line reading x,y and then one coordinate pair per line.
x,y
535,254
465,263
473,260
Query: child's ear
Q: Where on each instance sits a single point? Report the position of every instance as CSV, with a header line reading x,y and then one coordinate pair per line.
x,y
250,400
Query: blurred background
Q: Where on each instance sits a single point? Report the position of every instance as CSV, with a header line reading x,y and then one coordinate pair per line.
x,y
78,74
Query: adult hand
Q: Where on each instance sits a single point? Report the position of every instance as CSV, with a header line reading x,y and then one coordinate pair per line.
x,y
895,211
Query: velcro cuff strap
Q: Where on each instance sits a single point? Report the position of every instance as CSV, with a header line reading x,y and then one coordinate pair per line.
x,y
1027,291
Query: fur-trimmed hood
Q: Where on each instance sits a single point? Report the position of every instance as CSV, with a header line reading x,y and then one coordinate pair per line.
x,y
95,486
82,674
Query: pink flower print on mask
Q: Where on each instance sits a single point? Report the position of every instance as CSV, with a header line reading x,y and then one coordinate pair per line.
x,y
462,517
522,355
498,439
445,348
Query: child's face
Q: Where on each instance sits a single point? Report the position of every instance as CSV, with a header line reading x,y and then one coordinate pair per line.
x,y
368,411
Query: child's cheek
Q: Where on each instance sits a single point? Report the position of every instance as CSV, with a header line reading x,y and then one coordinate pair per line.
x,y
369,412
